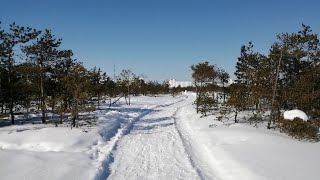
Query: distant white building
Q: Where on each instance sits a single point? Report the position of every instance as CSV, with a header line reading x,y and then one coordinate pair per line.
x,y
174,83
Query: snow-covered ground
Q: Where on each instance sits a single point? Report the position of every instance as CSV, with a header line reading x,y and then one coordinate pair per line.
x,y
155,138
154,149
239,151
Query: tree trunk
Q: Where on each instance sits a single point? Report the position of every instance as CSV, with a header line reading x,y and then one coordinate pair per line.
x,y
27,112
1,98
197,94
11,110
129,92
199,91
235,116
11,104
42,98
75,109
117,100
224,93
63,107
274,91
53,103
61,116
98,101
125,97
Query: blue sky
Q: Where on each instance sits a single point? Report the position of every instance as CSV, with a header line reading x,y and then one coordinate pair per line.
x,y
161,39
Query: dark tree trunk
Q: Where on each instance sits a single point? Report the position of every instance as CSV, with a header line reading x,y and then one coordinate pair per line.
x,y
11,104
129,93
61,116
75,109
274,92
43,112
99,101
42,96
224,93
53,103
235,116
11,111
74,122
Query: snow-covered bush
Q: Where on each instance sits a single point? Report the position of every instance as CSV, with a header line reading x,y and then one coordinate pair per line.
x,y
299,129
295,113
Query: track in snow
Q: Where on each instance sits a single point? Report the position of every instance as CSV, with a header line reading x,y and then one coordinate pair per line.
x,y
152,149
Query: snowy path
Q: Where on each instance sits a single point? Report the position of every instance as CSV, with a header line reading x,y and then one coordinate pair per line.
x,y
153,149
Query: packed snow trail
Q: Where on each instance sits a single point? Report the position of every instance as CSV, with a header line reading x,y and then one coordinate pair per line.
x,y
153,149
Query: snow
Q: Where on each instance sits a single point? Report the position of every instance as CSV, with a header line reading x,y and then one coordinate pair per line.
x,y
153,149
240,151
291,114
155,138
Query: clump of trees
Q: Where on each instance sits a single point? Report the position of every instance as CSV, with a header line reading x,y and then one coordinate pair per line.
x,y
206,77
36,70
287,77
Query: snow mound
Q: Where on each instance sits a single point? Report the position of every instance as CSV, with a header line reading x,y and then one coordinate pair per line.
x,y
291,114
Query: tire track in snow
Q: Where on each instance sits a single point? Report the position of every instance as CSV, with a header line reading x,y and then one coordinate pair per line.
x,y
104,169
153,149
186,144
192,148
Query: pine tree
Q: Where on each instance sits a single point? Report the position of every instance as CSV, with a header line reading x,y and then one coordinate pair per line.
x,y
26,89
9,40
304,71
76,83
223,77
99,81
202,74
44,53
64,95
237,93
2,70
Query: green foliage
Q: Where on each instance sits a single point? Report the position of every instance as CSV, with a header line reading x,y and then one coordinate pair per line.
x,y
205,78
49,76
203,72
287,77
299,129
175,91
253,73
9,40
206,103
154,87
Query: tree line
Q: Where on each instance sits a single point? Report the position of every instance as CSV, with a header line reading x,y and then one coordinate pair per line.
x,y
35,69
287,77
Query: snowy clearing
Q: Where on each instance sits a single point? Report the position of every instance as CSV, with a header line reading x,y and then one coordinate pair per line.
x,y
155,138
